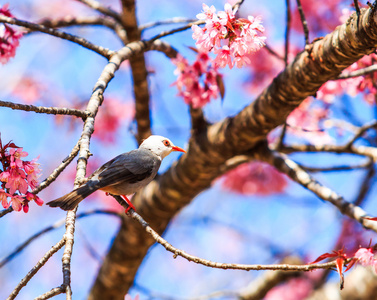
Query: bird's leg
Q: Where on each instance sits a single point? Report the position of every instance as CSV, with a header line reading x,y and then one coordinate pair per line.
x,y
130,205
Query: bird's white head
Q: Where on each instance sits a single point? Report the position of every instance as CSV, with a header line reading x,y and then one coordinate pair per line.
x,y
159,145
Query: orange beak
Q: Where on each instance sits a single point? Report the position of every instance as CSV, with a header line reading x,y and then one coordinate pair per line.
x,y
175,148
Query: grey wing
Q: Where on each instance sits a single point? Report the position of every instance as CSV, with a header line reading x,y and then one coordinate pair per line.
x,y
130,167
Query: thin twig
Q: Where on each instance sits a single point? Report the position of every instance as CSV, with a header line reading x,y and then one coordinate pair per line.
x,y
361,131
52,293
63,35
364,165
68,21
287,30
52,227
52,177
166,22
258,288
36,268
6,211
286,52
85,21
295,172
238,4
102,9
357,73
303,21
46,110
359,150
273,52
208,263
179,29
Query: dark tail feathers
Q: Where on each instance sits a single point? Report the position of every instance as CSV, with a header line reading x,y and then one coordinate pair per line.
x,y
72,199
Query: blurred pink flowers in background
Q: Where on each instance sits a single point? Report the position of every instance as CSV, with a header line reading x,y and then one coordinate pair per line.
x,y
9,37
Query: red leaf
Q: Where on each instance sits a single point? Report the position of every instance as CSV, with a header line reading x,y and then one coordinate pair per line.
x,y
193,49
322,257
339,267
10,145
350,264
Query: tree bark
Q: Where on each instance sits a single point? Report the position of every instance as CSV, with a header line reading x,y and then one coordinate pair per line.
x,y
211,147
139,73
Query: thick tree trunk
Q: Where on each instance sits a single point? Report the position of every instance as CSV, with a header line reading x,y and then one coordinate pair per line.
x,y
212,146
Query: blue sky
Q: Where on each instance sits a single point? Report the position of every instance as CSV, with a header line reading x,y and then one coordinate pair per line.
x,y
218,225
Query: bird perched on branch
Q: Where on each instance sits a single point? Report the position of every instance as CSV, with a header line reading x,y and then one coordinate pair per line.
x,y
124,174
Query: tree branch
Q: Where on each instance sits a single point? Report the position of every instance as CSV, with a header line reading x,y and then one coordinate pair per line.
x,y
295,172
102,9
139,73
54,226
163,198
166,22
63,35
46,110
357,73
36,268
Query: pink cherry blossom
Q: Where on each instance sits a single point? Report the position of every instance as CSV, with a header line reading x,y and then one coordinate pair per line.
x,y
4,176
223,57
255,178
9,38
229,13
365,256
4,199
15,155
16,182
208,12
17,202
197,83
16,176
31,197
241,60
229,37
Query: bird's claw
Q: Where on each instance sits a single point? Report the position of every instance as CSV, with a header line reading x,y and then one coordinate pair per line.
x,y
130,205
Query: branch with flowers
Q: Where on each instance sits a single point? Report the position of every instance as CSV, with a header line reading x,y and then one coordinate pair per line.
x,y
232,136
213,148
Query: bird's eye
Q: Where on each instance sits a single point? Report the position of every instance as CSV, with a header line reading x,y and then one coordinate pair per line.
x,y
166,143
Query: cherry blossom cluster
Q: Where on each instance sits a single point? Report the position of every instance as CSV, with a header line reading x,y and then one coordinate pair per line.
x,y
230,38
9,37
197,83
16,176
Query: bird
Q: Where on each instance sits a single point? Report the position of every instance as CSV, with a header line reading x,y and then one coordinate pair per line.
x,y
123,175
